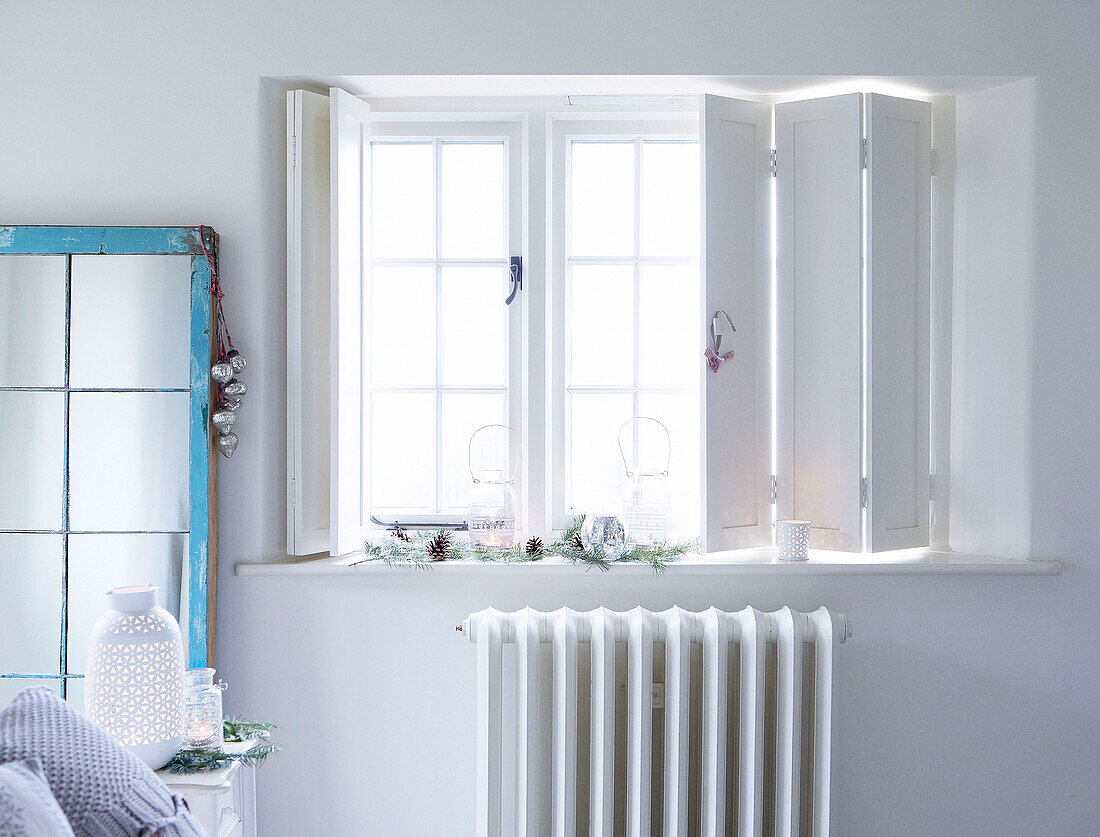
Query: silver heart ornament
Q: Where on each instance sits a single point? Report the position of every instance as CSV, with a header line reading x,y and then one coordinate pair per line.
x,y
235,388
236,360
227,444
221,371
224,420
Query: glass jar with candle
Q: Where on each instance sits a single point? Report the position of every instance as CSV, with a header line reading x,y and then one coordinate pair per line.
x,y
203,705
493,502
646,504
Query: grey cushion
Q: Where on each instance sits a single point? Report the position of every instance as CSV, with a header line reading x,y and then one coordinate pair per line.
x,y
103,789
27,808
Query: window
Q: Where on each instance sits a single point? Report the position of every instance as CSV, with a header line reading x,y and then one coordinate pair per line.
x,y
807,223
439,361
625,205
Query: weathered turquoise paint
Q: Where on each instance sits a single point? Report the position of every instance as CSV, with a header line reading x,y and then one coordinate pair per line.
x,y
41,240
120,241
199,539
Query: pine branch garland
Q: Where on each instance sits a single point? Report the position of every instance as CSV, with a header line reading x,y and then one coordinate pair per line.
x,y
237,729
201,761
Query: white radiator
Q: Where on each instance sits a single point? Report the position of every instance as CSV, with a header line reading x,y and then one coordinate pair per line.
x,y
746,747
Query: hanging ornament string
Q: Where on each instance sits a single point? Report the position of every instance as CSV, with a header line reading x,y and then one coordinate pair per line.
x,y
229,362
225,339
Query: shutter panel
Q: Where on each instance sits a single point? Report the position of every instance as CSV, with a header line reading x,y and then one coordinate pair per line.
x,y
899,184
735,141
307,270
350,261
819,151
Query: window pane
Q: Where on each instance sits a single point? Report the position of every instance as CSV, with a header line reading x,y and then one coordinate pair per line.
x,y
679,412
670,199
402,200
670,351
597,476
402,323
32,308
30,604
131,321
402,450
602,199
473,200
601,325
98,563
32,446
129,461
463,413
474,326
10,688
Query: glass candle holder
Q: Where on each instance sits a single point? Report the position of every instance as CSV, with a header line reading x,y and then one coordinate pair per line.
x,y
646,503
793,539
203,710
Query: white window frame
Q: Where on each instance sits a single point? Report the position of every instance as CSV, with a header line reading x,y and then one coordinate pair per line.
x,y
564,129
453,128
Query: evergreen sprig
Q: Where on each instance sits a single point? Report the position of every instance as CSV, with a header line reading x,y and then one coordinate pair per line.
x,y
201,761
236,729
569,546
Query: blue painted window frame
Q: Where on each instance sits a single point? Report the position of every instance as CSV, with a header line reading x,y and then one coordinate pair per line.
x,y
202,541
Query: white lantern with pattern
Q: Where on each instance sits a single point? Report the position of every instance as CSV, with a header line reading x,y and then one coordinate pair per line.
x,y
135,675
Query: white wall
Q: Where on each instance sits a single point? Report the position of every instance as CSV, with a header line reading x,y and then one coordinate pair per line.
x,y
967,704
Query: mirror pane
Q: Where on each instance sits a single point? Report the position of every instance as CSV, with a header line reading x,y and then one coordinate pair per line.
x,y
597,475
30,604
402,326
601,325
463,413
402,450
128,461
402,200
473,200
131,321
474,325
32,309
75,693
98,563
10,687
32,451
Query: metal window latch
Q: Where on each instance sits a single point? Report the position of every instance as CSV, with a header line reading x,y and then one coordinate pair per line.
x,y
515,270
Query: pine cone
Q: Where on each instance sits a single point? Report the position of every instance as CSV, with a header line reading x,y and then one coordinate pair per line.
x,y
575,542
439,547
400,534
534,546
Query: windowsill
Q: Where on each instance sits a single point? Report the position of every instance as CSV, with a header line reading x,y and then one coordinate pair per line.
x,y
740,562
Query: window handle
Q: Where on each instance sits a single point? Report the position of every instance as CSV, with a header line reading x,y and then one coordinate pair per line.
x,y
515,270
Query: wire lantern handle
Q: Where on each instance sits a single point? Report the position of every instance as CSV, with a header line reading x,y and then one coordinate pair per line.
x,y
668,444
470,452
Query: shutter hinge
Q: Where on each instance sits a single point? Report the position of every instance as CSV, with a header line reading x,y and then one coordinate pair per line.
x,y
863,153
293,493
293,152
775,489
931,486
863,492
935,161
773,164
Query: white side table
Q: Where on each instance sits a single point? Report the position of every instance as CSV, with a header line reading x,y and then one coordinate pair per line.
x,y
223,801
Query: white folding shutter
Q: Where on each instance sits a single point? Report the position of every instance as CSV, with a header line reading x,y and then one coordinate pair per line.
x,y
307,333
350,263
736,147
899,184
818,163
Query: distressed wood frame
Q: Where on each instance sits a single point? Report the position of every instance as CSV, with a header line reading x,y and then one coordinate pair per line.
x,y
199,598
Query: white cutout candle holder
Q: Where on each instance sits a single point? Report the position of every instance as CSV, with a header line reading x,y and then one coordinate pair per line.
x,y
135,675
793,539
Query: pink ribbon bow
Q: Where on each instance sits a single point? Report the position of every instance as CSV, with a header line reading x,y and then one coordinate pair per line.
x,y
714,361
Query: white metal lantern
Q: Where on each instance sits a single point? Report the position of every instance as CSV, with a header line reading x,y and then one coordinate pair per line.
x,y
493,502
135,675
